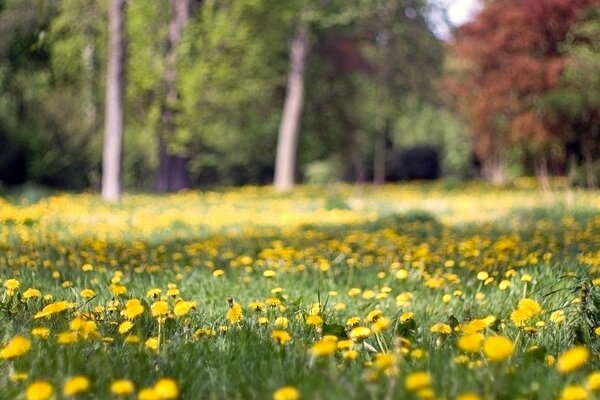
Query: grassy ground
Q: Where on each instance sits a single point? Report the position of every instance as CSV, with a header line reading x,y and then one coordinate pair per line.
x,y
237,293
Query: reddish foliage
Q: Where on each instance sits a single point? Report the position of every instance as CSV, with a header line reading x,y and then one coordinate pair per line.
x,y
506,58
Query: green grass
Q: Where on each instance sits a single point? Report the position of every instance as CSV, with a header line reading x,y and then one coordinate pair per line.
x,y
316,259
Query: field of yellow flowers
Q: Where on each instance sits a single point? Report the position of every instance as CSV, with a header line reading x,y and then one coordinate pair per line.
x,y
416,291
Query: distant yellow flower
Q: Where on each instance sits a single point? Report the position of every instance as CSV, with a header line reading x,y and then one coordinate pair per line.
x,y
314,320
122,387
557,316
384,362
482,276
18,376
257,306
41,332
11,285
468,396
39,390
350,355
76,385
574,392
381,324
16,347
572,359
373,316
133,309
281,337
148,394
32,293
354,292
235,314
67,338
152,343
159,308
498,348
117,290
504,284
166,389
153,293
406,316
125,327
441,328
53,308
345,344
286,393
323,348
87,267
417,380
470,343
183,307
87,293
360,333
593,381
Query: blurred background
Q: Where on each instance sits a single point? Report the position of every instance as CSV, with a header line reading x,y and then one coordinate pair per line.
x,y
223,92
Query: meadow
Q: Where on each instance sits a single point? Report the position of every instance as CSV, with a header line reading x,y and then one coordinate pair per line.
x,y
416,291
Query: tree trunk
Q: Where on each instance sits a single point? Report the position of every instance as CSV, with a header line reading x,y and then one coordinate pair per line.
x,y
172,168
287,141
493,169
113,131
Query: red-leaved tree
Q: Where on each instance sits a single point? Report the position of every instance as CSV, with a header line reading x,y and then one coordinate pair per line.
x,y
503,62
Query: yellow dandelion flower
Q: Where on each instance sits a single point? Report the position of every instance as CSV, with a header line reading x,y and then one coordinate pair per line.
x,y
470,343
384,362
117,290
345,344
11,285
125,327
235,314
183,307
350,355
32,293
166,389
572,359
381,324
159,308
148,394
39,390
406,316
87,293
468,396
373,316
574,392
16,347
504,284
153,293
286,393
281,322
323,348
314,320
53,308
360,333
133,309
498,348
281,337
76,385
152,343
122,387
441,328
67,338
417,380
17,377
593,381
40,332
557,316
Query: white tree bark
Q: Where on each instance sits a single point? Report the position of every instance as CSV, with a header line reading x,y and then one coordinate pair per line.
x,y
287,142
113,130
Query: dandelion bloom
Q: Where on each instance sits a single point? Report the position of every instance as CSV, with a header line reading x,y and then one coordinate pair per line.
x,y
323,348
314,320
384,361
32,293
593,381
470,343
54,308
16,347
417,380
41,332
574,392
281,337
498,348
183,307
11,285
125,327
360,333
235,314
166,389
441,328
286,393
87,293
122,387
160,308
152,343
76,385
133,309
39,390
572,359
468,396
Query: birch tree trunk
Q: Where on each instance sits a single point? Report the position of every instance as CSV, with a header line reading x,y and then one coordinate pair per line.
x,y
113,130
172,168
287,141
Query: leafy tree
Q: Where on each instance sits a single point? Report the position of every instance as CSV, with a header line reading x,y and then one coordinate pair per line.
x,y
505,60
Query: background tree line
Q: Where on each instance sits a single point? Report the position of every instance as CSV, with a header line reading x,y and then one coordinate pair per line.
x,y
207,85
